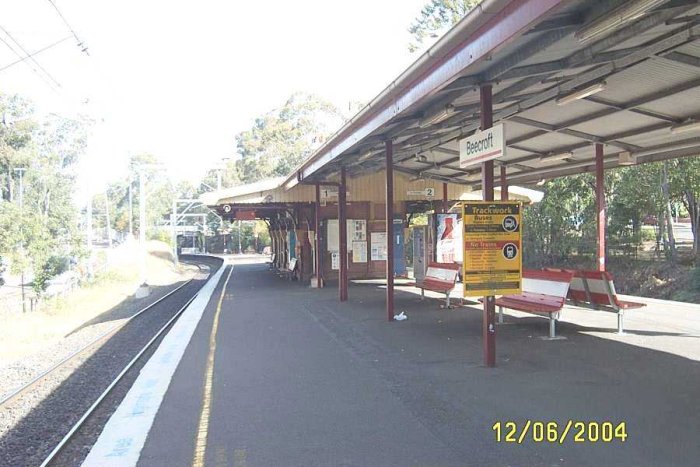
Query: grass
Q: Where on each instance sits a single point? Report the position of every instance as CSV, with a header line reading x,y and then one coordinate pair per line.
x,y
22,334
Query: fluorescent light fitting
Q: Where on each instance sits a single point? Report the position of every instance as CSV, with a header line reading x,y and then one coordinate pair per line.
x,y
688,125
364,156
615,19
582,93
626,158
556,157
438,117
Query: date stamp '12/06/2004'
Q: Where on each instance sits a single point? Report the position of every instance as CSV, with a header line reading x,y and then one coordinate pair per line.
x,y
556,432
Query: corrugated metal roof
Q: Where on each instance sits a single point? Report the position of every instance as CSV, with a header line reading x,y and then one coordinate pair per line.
x,y
528,73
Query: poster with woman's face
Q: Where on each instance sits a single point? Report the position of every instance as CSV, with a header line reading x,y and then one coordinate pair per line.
x,y
448,238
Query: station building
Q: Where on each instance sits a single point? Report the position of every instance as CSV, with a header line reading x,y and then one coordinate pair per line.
x,y
574,86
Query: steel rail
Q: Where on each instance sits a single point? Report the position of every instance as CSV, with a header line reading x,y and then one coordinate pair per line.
x,y
109,388
25,387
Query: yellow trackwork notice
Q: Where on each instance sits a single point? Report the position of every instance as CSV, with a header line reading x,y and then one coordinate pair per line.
x,y
492,248
203,430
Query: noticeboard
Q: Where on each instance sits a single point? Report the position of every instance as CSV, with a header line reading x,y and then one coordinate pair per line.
x,y
492,248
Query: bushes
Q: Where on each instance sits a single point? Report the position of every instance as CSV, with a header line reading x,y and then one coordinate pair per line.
x,y
161,236
53,266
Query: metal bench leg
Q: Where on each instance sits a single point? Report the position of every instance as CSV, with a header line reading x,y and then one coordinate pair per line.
x,y
620,315
448,299
552,327
422,294
553,330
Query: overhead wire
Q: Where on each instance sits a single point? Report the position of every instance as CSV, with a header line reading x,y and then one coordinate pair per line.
x,y
43,78
37,52
81,44
29,56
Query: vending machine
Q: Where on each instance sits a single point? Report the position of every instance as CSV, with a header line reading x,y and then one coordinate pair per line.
x,y
421,255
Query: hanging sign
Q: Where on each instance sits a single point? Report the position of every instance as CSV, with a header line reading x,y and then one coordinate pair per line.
x,y
482,146
245,215
492,248
329,192
428,192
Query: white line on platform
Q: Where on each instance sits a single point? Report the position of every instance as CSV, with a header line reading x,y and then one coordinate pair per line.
x,y
124,435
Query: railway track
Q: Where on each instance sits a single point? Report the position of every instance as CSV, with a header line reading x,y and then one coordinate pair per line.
x,y
18,392
117,353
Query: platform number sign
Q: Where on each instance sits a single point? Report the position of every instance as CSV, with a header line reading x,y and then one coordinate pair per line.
x,y
492,248
430,192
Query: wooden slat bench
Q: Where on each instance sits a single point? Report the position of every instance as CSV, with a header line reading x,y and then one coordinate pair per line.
x,y
544,293
597,289
440,277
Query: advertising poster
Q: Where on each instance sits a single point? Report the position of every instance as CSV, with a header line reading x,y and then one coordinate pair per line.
x,y
448,238
335,260
492,248
378,246
359,252
356,231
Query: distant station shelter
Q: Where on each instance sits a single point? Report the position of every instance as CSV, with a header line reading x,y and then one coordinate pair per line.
x,y
519,91
291,215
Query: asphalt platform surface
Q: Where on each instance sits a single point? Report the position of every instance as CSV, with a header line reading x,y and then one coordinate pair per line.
x,y
301,379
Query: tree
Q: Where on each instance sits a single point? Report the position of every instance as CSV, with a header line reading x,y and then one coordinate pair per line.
x,y
685,185
282,138
16,130
435,18
562,224
43,233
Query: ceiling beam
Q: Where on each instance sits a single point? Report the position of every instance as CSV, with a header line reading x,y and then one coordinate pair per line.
x,y
569,132
673,90
619,107
685,59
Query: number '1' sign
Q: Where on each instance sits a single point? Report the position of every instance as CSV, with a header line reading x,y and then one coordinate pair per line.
x,y
492,248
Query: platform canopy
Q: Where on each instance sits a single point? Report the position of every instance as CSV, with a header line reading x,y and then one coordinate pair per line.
x,y
564,74
271,193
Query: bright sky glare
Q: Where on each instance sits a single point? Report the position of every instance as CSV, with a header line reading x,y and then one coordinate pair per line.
x,y
180,78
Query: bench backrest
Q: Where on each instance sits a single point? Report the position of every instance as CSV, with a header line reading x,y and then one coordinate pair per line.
x,y
552,283
577,287
596,287
442,272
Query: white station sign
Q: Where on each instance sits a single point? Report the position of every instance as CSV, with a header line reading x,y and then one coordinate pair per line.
x,y
482,146
428,192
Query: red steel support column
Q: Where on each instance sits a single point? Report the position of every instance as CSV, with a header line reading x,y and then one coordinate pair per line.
x,y
600,203
504,184
343,236
317,243
489,320
445,202
389,230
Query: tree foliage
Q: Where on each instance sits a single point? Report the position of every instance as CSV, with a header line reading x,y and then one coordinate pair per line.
x,y
284,137
563,225
43,233
436,17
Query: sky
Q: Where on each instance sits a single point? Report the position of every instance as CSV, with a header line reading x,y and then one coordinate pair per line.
x,y
179,79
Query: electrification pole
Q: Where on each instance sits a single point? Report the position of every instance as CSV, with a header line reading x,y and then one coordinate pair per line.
x,y
142,226
109,224
21,215
131,210
239,237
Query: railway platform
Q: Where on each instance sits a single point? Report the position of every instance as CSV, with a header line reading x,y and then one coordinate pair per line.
x,y
300,379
